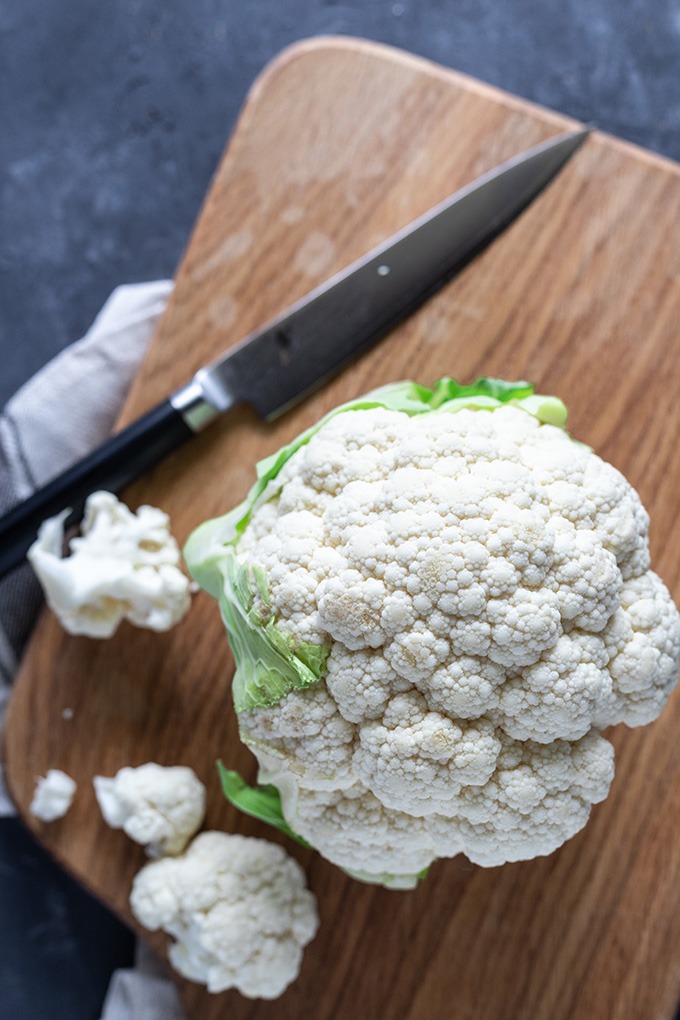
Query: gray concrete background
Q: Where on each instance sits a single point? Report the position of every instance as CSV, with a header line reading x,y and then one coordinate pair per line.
x,y
113,117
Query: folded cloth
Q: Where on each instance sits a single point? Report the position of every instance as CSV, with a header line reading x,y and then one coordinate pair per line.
x,y
38,441
142,993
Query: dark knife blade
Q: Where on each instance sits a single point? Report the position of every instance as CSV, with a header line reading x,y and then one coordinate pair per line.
x,y
314,338
278,364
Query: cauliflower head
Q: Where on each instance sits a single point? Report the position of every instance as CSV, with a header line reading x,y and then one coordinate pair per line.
x,y
123,565
238,908
436,600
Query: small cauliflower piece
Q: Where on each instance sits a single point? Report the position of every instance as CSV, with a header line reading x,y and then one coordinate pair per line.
x,y
124,565
53,795
436,600
238,909
158,806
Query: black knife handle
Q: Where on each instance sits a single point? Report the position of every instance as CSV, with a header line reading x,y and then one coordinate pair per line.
x,y
112,466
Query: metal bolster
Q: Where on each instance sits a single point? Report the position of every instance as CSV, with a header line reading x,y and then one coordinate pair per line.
x,y
190,402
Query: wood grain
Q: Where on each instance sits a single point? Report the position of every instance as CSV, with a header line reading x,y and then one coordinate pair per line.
x,y
340,143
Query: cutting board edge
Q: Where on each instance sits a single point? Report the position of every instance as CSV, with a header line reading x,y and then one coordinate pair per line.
x,y
330,41
385,51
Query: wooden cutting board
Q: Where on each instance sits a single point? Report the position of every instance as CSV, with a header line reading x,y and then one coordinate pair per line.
x,y
340,143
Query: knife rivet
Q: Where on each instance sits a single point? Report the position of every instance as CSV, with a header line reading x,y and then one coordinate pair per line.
x,y
383,270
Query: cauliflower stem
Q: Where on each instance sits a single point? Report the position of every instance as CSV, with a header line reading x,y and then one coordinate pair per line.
x,y
271,663
262,802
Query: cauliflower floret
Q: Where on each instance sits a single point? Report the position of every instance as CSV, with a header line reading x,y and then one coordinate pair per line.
x,y
415,654
53,795
558,696
464,688
643,643
476,587
416,761
123,566
585,577
351,608
603,502
160,807
532,805
361,682
238,909
354,830
305,735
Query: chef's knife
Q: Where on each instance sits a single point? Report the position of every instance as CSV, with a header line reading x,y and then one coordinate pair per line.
x,y
292,354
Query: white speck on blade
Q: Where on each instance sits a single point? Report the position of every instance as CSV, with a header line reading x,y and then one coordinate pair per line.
x,y
67,714
315,254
